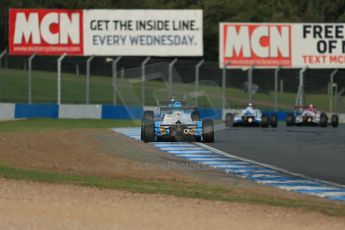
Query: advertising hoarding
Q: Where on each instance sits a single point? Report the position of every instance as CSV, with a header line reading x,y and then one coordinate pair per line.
x,y
292,45
106,32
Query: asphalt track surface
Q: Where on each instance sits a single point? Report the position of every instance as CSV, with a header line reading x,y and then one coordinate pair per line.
x,y
312,151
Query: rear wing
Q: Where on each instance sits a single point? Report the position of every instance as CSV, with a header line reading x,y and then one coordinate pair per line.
x,y
167,108
171,103
303,107
174,104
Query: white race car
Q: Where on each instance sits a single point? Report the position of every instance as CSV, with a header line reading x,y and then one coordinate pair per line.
x,y
176,121
309,116
251,117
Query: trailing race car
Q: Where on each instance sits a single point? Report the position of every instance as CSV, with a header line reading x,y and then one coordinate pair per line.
x,y
309,116
251,117
176,121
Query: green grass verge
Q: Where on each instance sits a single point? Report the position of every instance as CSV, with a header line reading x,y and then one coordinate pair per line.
x,y
14,89
170,188
62,124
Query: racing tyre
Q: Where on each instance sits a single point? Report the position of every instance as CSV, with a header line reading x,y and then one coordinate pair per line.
x,y
323,120
290,119
195,115
149,133
142,132
335,120
148,115
265,121
207,131
274,120
229,119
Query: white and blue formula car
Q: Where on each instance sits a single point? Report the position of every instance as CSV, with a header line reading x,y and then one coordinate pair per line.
x,y
309,116
176,121
251,117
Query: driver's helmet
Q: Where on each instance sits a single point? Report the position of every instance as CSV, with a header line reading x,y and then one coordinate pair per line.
x,y
250,105
311,107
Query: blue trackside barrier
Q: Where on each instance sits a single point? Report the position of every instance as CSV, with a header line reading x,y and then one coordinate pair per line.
x,y
107,112
210,113
122,112
36,111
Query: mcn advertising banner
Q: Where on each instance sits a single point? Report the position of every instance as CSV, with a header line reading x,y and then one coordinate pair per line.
x,y
294,45
106,32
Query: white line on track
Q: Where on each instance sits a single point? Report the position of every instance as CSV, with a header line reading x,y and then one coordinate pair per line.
x,y
305,188
283,182
189,151
181,148
190,156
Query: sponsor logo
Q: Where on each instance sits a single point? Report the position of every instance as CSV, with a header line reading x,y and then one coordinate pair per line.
x,y
48,32
262,45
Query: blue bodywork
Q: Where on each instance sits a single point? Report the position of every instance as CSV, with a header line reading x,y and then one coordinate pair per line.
x,y
179,128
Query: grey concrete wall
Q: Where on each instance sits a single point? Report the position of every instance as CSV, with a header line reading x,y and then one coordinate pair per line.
x,y
80,111
7,111
155,109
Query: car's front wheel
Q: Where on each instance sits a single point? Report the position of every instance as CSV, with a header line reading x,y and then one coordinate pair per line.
x,y
195,115
142,130
197,138
207,131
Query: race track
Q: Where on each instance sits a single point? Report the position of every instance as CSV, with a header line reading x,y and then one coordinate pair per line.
x,y
312,151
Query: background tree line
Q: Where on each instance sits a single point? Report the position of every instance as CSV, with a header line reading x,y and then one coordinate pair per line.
x,y
215,11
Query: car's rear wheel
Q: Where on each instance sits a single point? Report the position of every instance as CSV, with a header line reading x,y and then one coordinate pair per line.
x,y
207,131
149,132
148,115
274,120
290,119
323,120
195,115
265,121
335,120
229,119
